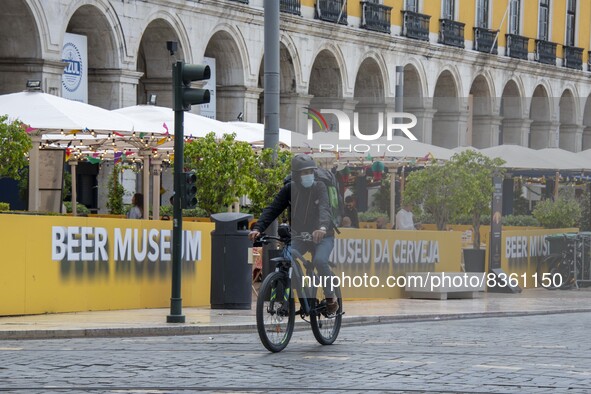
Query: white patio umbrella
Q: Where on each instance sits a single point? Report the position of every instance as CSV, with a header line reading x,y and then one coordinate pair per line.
x,y
565,160
255,133
55,117
519,157
162,118
52,114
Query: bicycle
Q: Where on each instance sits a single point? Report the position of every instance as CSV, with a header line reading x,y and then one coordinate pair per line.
x,y
275,309
565,269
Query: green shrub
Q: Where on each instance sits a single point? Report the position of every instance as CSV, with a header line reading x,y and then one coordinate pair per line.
x,y
371,216
4,206
81,208
561,213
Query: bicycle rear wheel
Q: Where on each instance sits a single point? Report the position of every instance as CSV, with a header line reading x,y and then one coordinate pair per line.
x,y
275,312
324,326
545,267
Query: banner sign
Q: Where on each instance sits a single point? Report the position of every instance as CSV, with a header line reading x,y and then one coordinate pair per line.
x,y
75,77
209,110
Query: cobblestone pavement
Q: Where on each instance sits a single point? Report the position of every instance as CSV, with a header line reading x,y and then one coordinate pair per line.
x,y
532,354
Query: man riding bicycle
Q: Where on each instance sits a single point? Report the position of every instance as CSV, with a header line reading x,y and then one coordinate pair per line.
x,y
309,212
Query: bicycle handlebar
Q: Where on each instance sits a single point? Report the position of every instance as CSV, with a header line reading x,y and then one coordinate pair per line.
x,y
265,239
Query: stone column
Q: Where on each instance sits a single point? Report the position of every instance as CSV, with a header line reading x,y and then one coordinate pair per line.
x,y
292,112
586,138
161,87
516,131
424,128
145,154
232,100
346,105
156,171
571,137
113,88
449,129
544,135
14,73
34,198
73,164
485,130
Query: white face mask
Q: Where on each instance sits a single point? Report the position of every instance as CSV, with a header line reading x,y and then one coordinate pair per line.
x,y
307,180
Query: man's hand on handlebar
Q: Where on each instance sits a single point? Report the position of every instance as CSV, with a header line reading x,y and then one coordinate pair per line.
x,y
253,235
318,235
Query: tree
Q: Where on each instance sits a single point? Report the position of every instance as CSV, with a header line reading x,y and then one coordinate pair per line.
x,y
14,144
462,186
116,192
432,188
223,168
475,188
267,179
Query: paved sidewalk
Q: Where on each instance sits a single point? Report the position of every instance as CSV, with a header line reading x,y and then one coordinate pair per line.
x,y
148,322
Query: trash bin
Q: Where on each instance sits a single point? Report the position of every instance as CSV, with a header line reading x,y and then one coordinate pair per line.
x,y
231,272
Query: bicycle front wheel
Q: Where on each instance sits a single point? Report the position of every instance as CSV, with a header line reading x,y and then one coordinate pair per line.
x,y
275,312
324,326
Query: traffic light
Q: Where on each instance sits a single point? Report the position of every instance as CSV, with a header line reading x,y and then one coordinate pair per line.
x,y
189,190
182,76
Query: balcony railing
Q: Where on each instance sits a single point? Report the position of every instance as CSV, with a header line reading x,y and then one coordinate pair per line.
x,y
375,17
415,25
545,52
451,33
484,39
330,10
573,57
517,46
291,6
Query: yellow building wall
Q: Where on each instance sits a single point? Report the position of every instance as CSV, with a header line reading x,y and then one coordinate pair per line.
x,y
529,22
396,14
558,24
432,8
31,282
467,15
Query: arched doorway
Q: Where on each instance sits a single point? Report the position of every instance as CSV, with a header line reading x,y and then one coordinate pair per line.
x,y
484,125
369,94
543,133
20,49
231,93
514,127
447,121
155,63
104,74
570,133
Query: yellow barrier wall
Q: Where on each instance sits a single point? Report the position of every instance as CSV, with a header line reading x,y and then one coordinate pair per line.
x,y
522,250
386,253
43,268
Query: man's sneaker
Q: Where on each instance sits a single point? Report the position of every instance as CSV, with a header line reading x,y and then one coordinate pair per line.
x,y
332,305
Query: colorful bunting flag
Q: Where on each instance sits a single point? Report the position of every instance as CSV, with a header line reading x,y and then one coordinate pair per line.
x,y
93,160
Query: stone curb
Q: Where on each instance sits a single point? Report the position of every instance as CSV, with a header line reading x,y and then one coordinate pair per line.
x,y
188,329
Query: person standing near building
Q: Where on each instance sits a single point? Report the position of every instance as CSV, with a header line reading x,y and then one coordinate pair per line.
x,y
404,218
350,211
137,207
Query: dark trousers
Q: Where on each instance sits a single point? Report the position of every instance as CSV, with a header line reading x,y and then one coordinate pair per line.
x,y
320,256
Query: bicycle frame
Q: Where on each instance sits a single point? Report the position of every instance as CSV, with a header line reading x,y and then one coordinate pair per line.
x,y
293,261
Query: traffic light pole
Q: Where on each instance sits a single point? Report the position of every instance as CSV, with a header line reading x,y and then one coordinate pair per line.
x,y
176,302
